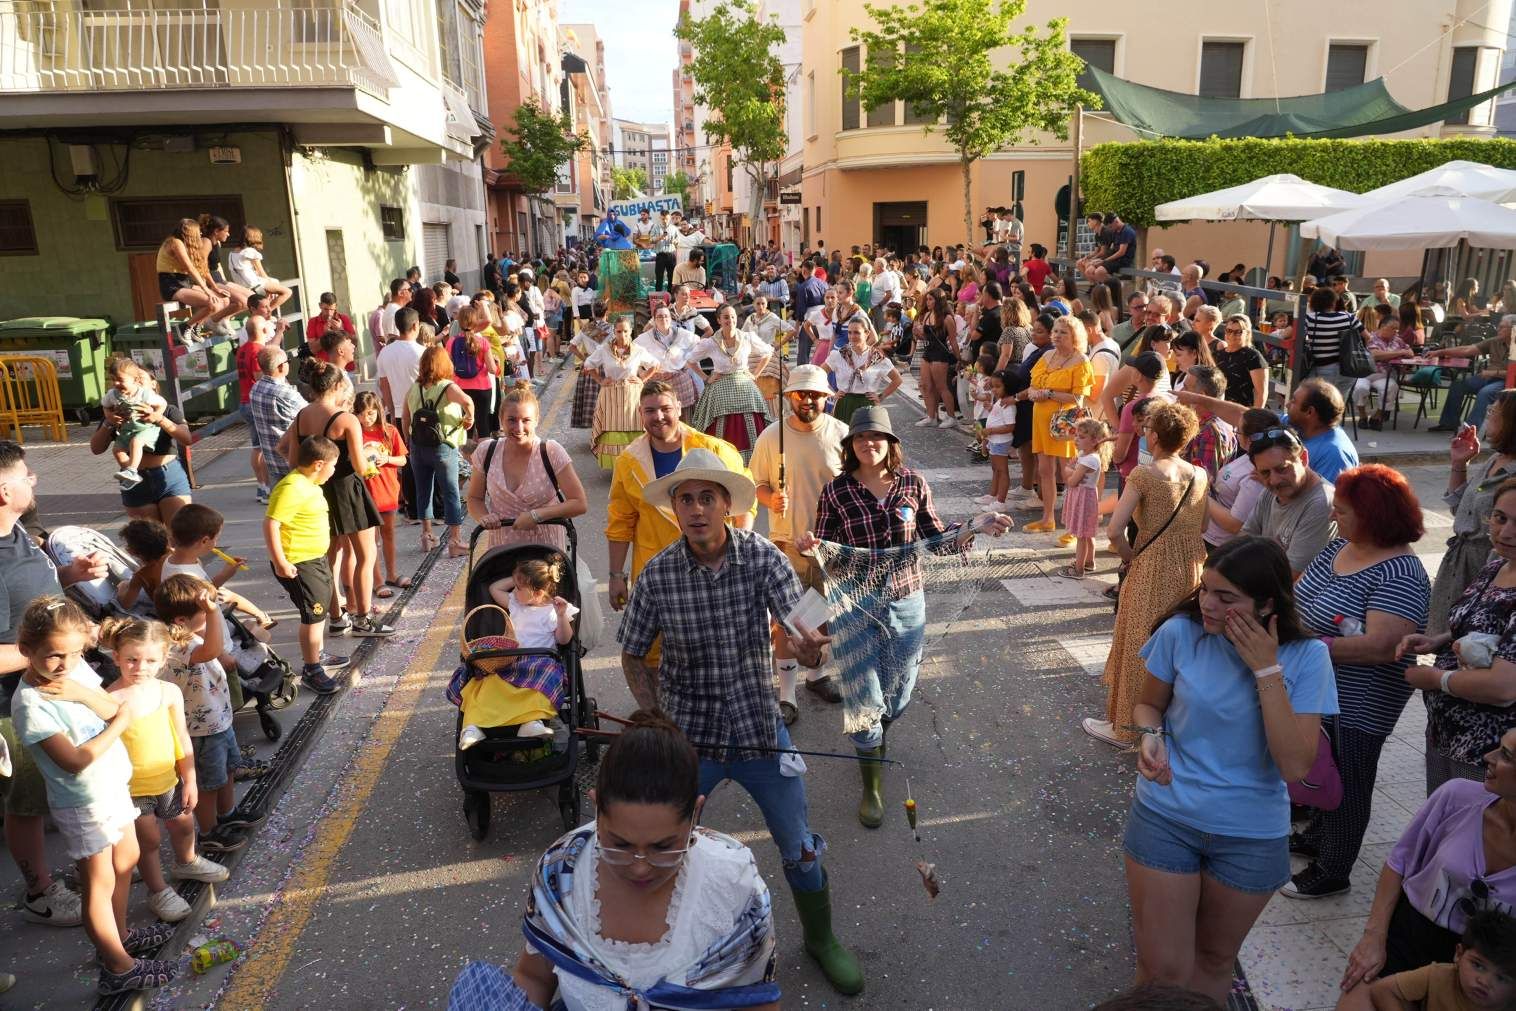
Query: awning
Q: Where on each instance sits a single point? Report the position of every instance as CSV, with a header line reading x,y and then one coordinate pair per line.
x,y
1364,110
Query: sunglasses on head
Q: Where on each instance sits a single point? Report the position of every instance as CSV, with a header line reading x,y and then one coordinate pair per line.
x,y
1279,436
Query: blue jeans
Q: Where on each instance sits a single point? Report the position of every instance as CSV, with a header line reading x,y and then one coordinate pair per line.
x,y
880,665
440,462
1481,389
781,798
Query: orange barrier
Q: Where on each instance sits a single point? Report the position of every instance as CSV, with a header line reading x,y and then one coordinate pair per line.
x,y
29,396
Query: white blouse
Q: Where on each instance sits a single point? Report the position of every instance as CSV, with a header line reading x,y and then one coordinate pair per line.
x,y
748,350
672,350
768,327
715,885
619,369
865,373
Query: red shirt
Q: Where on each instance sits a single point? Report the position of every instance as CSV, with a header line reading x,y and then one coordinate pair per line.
x,y
316,326
1036,272
247,368
384,487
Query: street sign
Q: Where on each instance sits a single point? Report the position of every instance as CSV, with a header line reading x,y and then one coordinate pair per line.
x,y
789,197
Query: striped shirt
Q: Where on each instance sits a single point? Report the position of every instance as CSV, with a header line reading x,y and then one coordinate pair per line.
x,y
1323,331
1371,695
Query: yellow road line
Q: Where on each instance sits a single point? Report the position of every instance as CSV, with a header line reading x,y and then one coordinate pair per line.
x,y
270,953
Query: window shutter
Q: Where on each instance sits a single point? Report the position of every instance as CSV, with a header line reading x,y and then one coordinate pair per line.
x,y
1099,53
1221,70
850,67
1346,66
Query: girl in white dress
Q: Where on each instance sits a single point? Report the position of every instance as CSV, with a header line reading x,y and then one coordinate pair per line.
x,y
620,367
732,407
865,375
671,345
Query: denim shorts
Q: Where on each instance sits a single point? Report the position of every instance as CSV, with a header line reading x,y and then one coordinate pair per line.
x,y
1248,865
158,483
215,758
999,448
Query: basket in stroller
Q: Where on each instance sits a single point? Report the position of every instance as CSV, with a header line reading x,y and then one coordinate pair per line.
x,y
273,686
502,761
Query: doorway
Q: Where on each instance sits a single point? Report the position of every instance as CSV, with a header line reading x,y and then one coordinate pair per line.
x,y
900,226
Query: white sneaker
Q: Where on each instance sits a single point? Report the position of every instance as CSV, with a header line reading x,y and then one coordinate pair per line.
x,y
997,506
926,422
128,478
168,906
56,907
201,869
948,422
470,736
984,500
1102,730
533,728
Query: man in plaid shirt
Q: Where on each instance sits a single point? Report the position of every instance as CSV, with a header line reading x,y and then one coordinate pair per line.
x,y
272,404
711,595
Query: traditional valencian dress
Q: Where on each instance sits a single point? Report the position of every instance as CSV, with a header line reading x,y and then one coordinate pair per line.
x,y
732,407
618,418
672,350
586,390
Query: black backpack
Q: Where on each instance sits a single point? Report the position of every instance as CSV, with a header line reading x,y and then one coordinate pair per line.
x,y
426,421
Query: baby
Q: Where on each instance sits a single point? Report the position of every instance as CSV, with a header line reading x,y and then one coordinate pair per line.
x,y
133,395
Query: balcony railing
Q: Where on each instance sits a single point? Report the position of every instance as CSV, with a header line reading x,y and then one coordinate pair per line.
x,y
150,49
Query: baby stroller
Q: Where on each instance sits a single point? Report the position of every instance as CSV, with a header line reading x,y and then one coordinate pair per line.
x,y
273,686
503,762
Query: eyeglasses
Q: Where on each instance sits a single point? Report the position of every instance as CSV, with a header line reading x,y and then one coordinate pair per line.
x,y
1234,331
1280,436
617,857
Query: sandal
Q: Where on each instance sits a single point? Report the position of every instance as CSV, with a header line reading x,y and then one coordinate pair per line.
x,y
148,938
267,622
1069,572
403,583
456,550
428,542
255,769
145,974
384,592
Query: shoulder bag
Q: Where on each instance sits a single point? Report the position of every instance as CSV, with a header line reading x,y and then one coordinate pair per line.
x,y
1353,358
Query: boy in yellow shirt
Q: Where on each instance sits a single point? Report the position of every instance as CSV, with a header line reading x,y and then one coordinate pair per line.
x,y
297,534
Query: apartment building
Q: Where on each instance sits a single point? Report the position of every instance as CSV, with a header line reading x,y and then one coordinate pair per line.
x,y
644,146
584,183
782,205
522,62
347,130
685,150
872,174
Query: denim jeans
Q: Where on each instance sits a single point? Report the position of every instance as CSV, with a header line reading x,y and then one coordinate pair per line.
x,y
880,665
781,798
1481,389
441,462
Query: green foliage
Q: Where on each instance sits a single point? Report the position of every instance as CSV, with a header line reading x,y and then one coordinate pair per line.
x,y
627,182
537,146
1131,179
677,183
936,57
739,78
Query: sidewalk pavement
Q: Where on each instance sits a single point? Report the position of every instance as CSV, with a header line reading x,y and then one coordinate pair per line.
x,y
56,966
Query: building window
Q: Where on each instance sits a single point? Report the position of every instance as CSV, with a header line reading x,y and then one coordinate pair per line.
x,y
818,217
881,115
17,236
142,225
912,117
1099,53
1221,69
392,221
448,42
1461,80
1347,65
850,68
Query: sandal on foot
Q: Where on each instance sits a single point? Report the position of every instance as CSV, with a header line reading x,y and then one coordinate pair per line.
x,y
1069,572
145,974
403,583
267,622
148,938
384,593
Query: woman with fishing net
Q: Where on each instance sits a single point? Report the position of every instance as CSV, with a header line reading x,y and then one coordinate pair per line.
x,y
873,523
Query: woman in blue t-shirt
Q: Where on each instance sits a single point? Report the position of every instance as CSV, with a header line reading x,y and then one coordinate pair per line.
x,y
1230,711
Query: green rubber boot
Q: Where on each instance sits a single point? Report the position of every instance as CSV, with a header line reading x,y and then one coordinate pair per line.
x,y
871,806
839,965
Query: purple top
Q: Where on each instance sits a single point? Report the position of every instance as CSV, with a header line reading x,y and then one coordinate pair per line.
x,y
1442,850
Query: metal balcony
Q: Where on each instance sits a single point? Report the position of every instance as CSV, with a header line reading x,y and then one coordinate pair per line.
x,y
330,44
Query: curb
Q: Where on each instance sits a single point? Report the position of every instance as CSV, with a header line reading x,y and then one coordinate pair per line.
x,y
267,792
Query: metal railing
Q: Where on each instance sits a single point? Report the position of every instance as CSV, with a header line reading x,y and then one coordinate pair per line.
x,y
45,50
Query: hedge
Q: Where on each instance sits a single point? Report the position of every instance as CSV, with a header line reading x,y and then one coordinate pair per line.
x,y
1133,178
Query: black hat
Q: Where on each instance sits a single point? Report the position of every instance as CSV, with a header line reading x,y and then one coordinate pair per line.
x,y
1148,364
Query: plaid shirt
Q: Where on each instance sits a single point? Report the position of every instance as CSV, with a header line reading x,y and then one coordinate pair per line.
x,y
715,680
849,514
1213,447
274,405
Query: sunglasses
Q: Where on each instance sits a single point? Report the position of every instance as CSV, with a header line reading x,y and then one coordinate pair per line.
x,y
1274,436
1477,900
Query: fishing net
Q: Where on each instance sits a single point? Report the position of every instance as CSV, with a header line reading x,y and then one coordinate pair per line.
x,y
621,281
877,641
721,269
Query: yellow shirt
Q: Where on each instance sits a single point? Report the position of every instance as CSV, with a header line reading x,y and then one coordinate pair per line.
x,y
153,747
651,528
300,509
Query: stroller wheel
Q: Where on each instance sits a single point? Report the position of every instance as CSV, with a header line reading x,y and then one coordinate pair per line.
x,y
476,811
592,744
271,728
289,688
568,805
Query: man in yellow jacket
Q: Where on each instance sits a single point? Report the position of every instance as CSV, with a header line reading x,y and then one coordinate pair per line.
x,y
632,521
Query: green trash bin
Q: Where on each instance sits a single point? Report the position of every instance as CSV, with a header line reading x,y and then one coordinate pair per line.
x,y
144,342
78,348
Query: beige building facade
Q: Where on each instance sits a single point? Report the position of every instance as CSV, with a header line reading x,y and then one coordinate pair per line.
x,y
875,175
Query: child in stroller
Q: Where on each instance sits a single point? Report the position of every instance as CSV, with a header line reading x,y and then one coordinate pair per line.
x,y
521,691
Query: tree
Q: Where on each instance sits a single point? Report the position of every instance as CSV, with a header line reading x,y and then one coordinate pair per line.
x,y
738,77
627,182
538,146
936,57
678,184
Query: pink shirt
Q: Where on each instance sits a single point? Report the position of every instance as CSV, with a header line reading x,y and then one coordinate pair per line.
x,y
484,378
534,492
